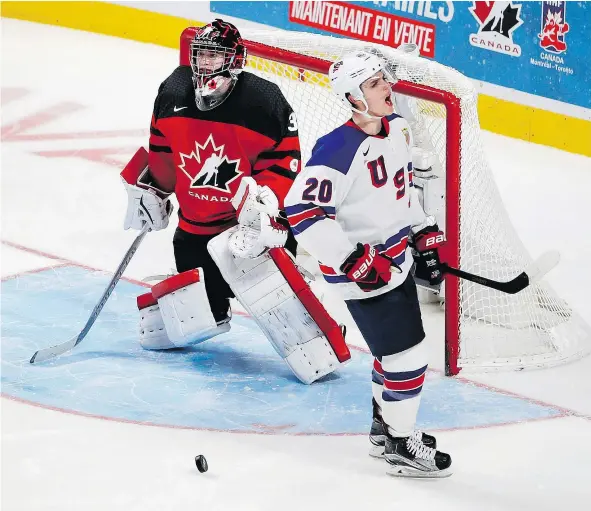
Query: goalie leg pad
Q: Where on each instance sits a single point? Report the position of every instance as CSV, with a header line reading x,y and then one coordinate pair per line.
x,y
305,336
185,309
153,334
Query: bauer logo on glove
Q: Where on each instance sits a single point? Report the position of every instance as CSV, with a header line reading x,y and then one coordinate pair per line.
x,y
426,243
365,265
368,269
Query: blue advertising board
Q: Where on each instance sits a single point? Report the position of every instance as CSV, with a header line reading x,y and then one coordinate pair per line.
x,y
541,48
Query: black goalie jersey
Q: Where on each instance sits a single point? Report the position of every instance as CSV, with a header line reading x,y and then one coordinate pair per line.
x,y
203,155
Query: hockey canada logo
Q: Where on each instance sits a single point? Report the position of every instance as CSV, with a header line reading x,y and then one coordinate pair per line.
x,y
208,167
206,30
554,27
498,21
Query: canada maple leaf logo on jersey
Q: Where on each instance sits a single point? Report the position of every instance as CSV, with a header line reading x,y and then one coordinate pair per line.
x,y
208,167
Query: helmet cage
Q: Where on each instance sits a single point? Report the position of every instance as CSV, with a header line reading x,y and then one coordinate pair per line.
x,y
217,58
204,52
219,42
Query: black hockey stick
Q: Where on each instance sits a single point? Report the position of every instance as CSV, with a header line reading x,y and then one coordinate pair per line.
x,y
59,349
532,274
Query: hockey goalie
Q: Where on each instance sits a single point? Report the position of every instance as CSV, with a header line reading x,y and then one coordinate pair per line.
x,y
229,152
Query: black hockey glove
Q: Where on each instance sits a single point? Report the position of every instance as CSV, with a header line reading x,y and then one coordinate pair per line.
x,y
368,269
425,244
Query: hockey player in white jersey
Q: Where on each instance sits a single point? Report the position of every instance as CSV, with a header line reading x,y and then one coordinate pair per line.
x,y
355,210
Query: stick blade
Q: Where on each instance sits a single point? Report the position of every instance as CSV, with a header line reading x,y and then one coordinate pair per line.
x,y
542,265
53,351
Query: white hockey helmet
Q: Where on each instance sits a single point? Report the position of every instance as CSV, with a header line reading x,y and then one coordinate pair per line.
x,y
347,75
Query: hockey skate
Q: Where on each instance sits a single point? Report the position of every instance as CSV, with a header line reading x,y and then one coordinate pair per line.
x,y
377,435
410,457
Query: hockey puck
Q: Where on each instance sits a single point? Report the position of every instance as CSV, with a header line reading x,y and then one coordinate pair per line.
x,y
201,463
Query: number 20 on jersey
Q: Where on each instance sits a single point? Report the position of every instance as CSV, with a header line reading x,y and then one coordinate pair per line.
x,y
322,190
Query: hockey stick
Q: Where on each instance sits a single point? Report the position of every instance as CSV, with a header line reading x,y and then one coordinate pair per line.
x,y
60,349
532,274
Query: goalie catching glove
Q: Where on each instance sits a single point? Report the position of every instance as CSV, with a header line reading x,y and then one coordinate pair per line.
x,y
145,202
426,243
257,208
368,269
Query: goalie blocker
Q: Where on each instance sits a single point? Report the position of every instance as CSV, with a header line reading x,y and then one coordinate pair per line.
x,y
275,294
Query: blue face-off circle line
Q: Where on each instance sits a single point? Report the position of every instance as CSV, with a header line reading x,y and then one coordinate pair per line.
x,y
233,383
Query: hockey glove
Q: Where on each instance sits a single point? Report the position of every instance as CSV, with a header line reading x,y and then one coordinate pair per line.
x,y
256,210
249,242
144,206
368,269
252,201
146,203
426,243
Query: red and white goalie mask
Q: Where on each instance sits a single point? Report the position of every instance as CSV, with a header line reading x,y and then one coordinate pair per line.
x,y
217,58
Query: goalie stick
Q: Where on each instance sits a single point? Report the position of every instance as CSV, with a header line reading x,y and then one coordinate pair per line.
x,y
59,349
532,274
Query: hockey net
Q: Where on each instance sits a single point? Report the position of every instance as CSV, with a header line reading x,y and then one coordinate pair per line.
x,y
484,329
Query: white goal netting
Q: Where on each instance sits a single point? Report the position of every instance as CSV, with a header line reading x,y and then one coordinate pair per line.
x,y
489,329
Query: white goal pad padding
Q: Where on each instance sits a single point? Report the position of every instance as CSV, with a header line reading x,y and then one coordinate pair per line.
x,y
153,334
185,309
305,336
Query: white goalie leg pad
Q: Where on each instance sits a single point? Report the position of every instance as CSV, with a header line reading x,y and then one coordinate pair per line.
x,y
153,334
311,344
185,309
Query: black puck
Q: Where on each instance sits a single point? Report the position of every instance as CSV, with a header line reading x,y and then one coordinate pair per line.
x,y
201,463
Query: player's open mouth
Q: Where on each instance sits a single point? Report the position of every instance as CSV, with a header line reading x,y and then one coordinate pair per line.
x,y
389,101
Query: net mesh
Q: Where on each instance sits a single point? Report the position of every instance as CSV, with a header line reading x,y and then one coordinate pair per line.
x,y
496,330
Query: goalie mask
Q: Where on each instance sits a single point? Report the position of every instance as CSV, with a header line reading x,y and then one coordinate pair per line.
x,y
347,75
217,58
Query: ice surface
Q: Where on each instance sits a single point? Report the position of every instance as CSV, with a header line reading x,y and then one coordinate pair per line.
x,y
62,197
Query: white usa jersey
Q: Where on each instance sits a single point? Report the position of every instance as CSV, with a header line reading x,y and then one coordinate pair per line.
x,y
357,188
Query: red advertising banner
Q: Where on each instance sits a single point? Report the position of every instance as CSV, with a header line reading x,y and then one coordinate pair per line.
x,y
366,24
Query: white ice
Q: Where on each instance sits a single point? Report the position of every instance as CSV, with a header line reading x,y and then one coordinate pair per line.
x,y
74,208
